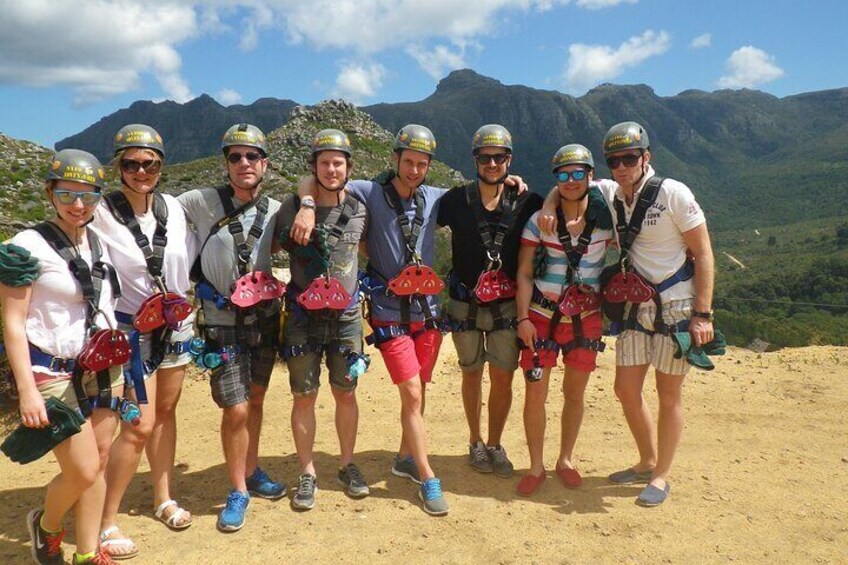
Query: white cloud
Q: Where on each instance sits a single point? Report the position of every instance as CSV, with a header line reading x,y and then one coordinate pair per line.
x,y
439,61
406,23
749,67
98,48
228,97
704,40
359,81
589,65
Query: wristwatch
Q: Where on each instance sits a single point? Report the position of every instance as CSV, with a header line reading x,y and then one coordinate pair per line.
x,y
307,202
705,315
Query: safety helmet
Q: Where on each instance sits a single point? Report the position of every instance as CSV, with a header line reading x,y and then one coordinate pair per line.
x,y
244,134
416,138
77,166
572,154
138,135
491,135
626,135
330,140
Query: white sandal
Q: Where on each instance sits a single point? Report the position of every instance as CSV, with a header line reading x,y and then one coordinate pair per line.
x,y
122,542
172,521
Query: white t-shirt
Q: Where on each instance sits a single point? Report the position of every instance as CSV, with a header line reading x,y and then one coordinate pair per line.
x,y
128,258
56,316
659,250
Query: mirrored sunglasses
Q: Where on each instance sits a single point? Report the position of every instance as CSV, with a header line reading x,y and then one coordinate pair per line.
x,y
564,176
68,197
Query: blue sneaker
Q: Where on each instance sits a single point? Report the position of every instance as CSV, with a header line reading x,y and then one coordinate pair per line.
x,y
260,484
231,518
434,501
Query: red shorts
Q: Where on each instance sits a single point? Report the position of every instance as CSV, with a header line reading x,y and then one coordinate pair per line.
x,y
578,358
405,357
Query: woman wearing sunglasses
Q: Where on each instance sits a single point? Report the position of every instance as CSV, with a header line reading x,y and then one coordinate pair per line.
x,y
49,313
146,234
559,309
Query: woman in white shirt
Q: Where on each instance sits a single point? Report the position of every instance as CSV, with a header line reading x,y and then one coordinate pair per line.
x,y
152,249
47,324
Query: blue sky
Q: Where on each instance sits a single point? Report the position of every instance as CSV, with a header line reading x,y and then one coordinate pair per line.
x,y
66,64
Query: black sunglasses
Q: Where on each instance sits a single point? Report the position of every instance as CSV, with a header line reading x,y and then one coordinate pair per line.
x,y
234,157
499,158
628,160
150,166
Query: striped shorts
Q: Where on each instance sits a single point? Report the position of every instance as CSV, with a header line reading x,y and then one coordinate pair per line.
x,y
634,347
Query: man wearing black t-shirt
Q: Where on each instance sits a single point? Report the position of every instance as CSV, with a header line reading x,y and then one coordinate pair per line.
x,y
486,218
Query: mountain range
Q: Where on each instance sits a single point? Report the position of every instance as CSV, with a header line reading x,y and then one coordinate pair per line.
x,y
752,159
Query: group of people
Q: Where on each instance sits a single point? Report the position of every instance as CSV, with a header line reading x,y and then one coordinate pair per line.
x,y
110,273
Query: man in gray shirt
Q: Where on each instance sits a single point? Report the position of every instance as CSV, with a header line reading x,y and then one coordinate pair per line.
x,y
323,315
236,228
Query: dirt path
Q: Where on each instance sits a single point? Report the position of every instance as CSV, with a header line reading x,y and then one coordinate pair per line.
x,y
761,477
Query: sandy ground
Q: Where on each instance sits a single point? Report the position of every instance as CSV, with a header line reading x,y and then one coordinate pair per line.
x,y
761,477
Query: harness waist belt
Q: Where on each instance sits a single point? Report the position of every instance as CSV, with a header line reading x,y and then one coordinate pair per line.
x,y
55,364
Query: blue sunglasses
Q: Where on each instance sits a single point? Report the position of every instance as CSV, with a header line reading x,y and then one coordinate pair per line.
x,y
578,175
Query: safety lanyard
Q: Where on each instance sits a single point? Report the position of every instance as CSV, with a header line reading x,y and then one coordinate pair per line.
x,y
244,247
573,253
507,207
411,232
627,231
336,228
154,255
90,279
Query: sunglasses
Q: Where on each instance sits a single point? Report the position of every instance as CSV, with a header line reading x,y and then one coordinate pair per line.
x,y
499,158
235,157
577,175
151,166
68,197
628,161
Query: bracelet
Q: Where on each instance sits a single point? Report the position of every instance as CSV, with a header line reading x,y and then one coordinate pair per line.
x,y
522,320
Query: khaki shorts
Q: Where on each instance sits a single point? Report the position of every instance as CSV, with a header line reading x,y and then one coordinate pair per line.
x,y
475,347
184,333
64,390
305,369
634,347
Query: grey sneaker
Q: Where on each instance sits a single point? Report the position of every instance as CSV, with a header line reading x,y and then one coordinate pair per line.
x,y
406,467
351,478
500,462
434,501
478,457
304,498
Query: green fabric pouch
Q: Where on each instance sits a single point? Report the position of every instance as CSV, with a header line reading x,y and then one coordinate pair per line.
x,y
699,356
25,445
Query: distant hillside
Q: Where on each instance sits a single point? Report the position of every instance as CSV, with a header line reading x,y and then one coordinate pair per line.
x,y
190,130
289,149
23,164
736,149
